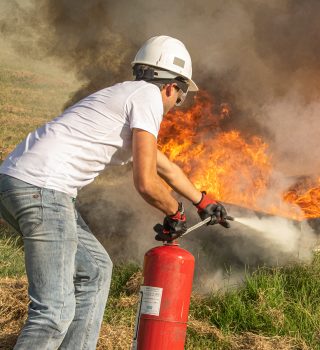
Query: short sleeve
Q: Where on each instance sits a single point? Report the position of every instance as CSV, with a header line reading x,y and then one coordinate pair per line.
x,y
145,109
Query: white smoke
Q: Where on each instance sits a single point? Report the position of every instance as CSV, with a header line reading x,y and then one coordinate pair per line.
x,y
288,236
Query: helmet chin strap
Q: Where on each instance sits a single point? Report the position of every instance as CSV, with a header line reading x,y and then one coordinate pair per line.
x,y
150,74
142,72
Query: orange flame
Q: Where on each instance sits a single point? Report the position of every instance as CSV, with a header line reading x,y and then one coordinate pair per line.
x,y
225,164
308,199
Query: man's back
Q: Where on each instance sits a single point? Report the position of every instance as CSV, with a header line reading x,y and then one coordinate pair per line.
x,y
68,152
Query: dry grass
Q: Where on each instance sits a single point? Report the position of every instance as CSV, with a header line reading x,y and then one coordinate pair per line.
x,y
134,283
29,98
251,341
248,340
13,312
115,337
205,328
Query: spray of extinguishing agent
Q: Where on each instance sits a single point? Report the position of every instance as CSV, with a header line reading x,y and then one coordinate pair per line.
x,y
161,321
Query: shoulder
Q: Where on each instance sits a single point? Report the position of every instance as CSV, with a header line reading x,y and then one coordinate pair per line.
x,y
145,91
144,107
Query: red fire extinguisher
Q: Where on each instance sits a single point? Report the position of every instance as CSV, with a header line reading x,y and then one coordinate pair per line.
x,y
161,321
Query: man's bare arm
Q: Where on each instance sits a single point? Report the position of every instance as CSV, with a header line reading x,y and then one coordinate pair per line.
x,y
173,175
145,176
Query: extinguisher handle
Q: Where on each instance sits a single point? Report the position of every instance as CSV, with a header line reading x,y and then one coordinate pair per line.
x,y
203,222
194,227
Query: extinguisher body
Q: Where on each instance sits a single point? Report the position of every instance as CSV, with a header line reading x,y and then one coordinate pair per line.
x,y
162,317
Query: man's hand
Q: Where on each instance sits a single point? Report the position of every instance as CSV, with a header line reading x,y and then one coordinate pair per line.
x,y
208,207
173,226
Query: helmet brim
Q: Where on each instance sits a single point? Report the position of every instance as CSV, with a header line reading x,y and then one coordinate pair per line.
x,y
193,86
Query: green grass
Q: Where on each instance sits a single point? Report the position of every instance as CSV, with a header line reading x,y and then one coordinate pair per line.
x,y
118,295
11,253
282,301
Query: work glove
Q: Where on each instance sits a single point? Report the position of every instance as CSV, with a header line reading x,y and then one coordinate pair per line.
x,y
173,226
208,207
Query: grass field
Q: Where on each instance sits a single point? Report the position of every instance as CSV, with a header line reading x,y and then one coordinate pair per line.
x,y
274,308
28,96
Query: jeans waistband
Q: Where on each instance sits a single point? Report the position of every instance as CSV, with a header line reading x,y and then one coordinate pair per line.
x,y
8,182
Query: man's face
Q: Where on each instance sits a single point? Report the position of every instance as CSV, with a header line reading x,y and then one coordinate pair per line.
x,y
171,96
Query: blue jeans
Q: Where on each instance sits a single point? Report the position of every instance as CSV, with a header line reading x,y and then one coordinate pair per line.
x,y
68,270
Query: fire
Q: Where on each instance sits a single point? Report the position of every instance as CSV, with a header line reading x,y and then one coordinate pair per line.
x,y
225,164
306,195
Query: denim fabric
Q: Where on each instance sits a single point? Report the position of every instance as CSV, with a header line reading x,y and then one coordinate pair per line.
x,y
68,270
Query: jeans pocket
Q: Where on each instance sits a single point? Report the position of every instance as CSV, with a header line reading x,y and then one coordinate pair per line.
x,y
25,206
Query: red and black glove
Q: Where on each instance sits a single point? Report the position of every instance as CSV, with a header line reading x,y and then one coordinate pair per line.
x,y
208,207
173,226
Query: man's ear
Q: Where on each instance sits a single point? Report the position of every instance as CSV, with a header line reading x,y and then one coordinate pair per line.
x,y
168,90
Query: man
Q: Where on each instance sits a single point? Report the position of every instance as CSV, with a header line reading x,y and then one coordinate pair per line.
x,y
68,270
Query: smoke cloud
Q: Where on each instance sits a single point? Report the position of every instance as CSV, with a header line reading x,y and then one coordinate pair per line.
x,y
76,33
262,58
222,255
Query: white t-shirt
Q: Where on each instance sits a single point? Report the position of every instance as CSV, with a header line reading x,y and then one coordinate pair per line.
x,y
68,152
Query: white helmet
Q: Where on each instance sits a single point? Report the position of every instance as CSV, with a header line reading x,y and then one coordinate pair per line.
x,y
170,56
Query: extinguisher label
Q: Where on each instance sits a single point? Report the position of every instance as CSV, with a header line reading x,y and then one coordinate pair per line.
x,y
151,300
